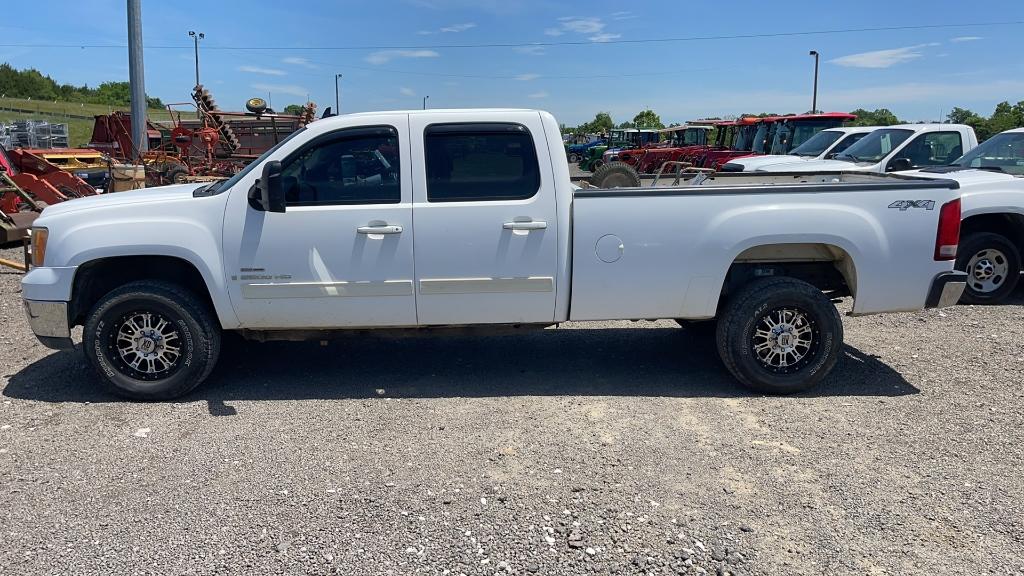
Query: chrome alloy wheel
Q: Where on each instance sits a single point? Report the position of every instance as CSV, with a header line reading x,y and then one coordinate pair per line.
x,y
988,269
784,340
148,343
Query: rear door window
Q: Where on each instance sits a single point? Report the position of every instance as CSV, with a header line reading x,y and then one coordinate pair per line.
x,y
480,162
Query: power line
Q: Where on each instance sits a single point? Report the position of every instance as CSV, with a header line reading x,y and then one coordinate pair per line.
x,y
550,43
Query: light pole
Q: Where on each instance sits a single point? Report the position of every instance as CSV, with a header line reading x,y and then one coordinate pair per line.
x,y
337,95
814,101
196,37
425,102
136,80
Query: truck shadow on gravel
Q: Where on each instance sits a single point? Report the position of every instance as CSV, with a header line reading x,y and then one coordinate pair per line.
x,y
667,362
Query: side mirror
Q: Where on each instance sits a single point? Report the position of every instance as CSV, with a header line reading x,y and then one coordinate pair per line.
x,y
900,164
267,194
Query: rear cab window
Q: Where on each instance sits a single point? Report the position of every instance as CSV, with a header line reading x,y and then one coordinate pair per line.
x,y
470,162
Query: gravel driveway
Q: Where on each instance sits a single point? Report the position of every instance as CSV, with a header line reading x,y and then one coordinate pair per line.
x,y
594,448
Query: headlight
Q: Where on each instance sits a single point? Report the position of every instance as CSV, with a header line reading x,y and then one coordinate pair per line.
x,y
39,237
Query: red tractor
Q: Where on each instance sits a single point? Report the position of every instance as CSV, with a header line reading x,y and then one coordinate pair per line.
x,y
772,135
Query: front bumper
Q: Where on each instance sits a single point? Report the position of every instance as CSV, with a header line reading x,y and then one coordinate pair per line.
x,y
946,289
49,322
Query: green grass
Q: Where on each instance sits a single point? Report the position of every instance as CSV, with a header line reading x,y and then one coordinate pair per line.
x,y
79,130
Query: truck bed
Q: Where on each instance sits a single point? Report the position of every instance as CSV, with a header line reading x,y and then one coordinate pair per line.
x,y
664,252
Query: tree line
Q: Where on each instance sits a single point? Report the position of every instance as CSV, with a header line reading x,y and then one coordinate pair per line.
x,y
31,83
1005,117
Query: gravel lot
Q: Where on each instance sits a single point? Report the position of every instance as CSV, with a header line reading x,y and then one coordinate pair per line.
x,y
611,448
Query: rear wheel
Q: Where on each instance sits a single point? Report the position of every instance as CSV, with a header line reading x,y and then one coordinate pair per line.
x,y
992,264
151,340
615,175
779,335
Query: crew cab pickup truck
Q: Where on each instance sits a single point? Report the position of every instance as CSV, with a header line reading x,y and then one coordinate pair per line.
x,y
823,145
894,149
467,218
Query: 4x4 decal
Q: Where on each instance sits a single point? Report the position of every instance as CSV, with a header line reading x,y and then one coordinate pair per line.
x,y
904,205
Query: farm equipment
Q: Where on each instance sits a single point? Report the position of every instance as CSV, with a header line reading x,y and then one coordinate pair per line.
x,y
680,140
216,145
772,135
40,179
18,210
618,139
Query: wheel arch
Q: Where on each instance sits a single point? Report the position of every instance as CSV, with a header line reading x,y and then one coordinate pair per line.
x,y
1007,224
827,266
96,277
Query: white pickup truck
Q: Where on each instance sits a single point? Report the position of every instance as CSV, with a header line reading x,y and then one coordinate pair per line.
x,y
894,149
412,220
823,145
992,232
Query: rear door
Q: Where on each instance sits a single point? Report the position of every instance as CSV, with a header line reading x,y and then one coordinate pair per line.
x,y
484,206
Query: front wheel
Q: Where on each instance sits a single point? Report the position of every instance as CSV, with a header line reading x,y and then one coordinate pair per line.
x,y
992,264
151,340
779,335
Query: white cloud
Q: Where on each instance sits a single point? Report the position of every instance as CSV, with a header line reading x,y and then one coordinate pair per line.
x,y
454,28
262,70
407,91
592,26
527,77
537,95
588,25
459,27
291,89
966,38
385,56
882,58
530,50
625,15
296,61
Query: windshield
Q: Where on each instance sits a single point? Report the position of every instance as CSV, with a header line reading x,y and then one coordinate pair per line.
x,y
1003,152
817,145
227,184
876,145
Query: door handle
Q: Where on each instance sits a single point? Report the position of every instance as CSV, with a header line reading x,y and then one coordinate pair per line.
x,y
387,229
531,225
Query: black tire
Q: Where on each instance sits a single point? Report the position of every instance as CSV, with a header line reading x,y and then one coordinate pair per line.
x,y
746,311
188,321
992,263
574,158
615,175
176,174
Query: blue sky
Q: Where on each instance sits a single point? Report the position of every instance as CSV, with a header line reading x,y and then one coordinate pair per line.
x,y
916,73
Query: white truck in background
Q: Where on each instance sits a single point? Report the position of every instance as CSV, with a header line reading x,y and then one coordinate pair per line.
x,y
823,145
896,148
991,178
318,235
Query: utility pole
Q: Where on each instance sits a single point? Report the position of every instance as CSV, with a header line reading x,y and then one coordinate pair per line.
x,y
136,79
337,95
814,101
196,37
425,102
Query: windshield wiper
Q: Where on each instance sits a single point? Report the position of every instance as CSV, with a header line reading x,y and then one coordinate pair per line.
x,y
848,155
989,168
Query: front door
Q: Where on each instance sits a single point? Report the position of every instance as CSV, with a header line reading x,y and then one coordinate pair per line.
x,y
486,244
341,255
